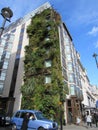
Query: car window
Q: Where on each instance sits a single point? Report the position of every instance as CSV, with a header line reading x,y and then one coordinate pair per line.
x,y
22,114
39,115
31,116
17,114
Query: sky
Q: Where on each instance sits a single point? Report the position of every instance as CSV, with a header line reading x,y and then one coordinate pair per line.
x,y
81,19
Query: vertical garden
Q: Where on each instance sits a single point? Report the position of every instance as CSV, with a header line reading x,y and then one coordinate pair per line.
x,y
43,81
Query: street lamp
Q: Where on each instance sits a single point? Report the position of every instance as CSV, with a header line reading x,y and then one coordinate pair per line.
x,y
95,56
7,14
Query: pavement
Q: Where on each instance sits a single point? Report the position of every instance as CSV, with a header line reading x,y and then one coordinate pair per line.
x,y
79,127
82,126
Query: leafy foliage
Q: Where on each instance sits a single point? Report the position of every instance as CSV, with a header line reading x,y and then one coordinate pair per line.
x,y
43,45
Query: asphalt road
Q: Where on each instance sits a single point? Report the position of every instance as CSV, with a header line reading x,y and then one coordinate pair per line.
x,y
5,128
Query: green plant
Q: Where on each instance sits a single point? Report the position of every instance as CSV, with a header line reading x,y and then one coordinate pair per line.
x,y
36,93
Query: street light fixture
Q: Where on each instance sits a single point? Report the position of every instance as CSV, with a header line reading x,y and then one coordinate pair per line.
x,y
95,56
7,14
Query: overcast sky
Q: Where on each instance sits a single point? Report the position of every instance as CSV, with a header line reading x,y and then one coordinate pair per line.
x,y
81,18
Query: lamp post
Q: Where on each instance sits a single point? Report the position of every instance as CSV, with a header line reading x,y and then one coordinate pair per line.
x,y
95,56
7,14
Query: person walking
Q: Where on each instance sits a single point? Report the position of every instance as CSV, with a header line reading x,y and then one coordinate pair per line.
x,y
89,120
96,118
25,122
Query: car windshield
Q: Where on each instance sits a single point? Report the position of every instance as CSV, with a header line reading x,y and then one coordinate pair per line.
x,y
39,115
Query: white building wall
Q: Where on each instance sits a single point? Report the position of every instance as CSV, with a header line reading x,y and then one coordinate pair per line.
x,y
11,63
19,81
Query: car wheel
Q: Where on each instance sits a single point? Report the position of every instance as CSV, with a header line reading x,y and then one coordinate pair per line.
x,y
41,128
13,127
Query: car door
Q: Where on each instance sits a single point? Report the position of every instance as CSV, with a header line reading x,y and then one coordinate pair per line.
x,y
18,119
32,122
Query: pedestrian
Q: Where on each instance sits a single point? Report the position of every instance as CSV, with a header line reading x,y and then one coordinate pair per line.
x,y
89,120
70,117
25,122
96,118
84,118
78,120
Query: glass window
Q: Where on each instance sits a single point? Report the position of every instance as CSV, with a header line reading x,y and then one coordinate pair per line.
x,y
2,77
69,65
22,30
13,31
19,46
48,63
3,42
72,90
71,78
11,38
21,38
1,87
47,79
48,27
47,50
22,114
1,50
17,114
48,17
18,56
7,55
5,64
67,49
47,39
68,57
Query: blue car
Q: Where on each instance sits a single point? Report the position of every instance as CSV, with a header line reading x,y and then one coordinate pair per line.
x,y
38,122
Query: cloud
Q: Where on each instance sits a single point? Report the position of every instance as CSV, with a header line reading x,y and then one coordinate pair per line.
x,y
94,31
96,44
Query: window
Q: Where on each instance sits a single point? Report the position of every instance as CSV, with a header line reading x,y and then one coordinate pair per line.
x,y
68,57
67,49
72,90
19,46
71,78
22,30
47,79
17,114
1,87
11,38
48,28
5,64
7,55
47,39
22,115
47,50
3,42
48,63
13,31
69,65
48,17
2,77
1,50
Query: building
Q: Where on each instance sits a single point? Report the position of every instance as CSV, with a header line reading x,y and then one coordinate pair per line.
x,y
12,46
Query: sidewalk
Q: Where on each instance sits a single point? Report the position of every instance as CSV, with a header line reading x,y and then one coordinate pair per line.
x,y
79,127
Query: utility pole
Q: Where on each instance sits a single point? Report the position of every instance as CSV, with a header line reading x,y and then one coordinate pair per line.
x,y
95,56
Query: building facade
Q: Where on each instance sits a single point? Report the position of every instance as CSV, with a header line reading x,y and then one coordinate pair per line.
x,y
12,51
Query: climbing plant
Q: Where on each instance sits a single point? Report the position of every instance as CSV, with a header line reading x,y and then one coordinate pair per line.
x,y
43,45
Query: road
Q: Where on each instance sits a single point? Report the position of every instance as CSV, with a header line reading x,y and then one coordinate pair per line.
x,y
67,127
5,128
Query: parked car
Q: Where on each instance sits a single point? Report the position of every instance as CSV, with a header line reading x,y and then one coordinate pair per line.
x,y
4,118
39,122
